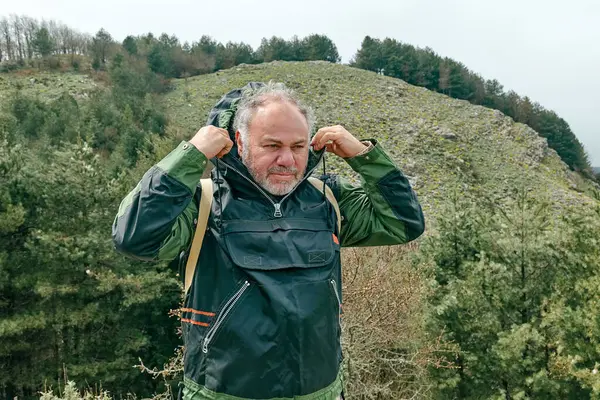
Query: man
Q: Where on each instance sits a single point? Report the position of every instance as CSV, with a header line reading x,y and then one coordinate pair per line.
x,y
261,318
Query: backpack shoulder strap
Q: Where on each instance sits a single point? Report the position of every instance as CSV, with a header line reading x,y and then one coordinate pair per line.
x,y
206,198
316,182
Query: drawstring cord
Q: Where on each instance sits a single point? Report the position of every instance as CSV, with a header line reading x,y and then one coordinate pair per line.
x,y
324,177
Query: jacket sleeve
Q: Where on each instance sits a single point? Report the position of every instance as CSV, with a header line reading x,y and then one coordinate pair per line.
x,y
155,220
383,210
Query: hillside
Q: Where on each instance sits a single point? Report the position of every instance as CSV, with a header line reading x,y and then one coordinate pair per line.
x,y
45,85
499,290
438,141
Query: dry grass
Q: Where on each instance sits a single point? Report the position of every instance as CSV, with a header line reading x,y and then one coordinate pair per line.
x,y
386,350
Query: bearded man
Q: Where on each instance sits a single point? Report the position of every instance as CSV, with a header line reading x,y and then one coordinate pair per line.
x,y
261,318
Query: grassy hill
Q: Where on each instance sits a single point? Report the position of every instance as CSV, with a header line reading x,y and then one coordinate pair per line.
x,y
45,85
438,141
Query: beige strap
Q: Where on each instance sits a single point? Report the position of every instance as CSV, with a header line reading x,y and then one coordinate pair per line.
x,y
206,198
329,194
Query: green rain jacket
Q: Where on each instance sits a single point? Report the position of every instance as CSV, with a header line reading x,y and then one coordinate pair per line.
x,y
261,319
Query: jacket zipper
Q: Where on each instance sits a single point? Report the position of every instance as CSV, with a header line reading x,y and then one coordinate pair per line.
x,y
226,309
337,296
277,206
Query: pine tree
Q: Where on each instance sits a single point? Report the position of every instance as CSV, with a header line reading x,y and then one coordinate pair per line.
x,y
68,304
130,45
512,283
101,44
42,43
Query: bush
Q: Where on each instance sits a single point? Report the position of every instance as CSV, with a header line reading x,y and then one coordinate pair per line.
x,y
96,65
8,66
52,63
70,392
512,291
386,350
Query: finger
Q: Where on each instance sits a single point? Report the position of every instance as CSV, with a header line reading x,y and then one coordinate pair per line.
x,y
330,136
317,137
331,148
320,134
226,149
224,133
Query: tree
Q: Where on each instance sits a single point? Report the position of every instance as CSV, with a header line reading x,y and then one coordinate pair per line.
x,y
512,104
17,30
130,45
43,43
5,31
206,45
100,46
319,47
68,304
369,56
30,28
506,273
276,48
525,111
444,77
494,94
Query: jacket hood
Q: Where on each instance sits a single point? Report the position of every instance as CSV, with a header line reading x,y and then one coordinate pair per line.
x,y
222,116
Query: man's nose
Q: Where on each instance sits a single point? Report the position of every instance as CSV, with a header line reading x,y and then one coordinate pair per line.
x,y
286,158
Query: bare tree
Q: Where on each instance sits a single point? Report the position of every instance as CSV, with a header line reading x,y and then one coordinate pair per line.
x,y
30,27
15,22
6,34
66,36
18,34
444,78
54,30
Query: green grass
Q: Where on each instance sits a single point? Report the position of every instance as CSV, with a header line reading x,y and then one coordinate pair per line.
x,y
45,85
486,150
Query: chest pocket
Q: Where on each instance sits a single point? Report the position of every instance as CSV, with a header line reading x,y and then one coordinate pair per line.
x,y
280,244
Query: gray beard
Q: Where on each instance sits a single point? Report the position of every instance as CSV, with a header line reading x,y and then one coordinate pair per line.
x,y
278,189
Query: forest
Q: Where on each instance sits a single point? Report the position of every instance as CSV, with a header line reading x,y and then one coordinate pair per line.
x,y
497,301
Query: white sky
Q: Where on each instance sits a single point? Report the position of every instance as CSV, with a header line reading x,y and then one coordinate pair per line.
x,y
548,50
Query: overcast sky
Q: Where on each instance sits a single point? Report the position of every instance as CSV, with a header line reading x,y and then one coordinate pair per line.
x,y
548,50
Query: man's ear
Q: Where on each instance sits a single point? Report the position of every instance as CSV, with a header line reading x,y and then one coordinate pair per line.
x,y
238,141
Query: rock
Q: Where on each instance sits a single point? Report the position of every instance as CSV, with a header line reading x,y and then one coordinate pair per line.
x,y
538,148
32,81
460,104
413,180
446,133
410,168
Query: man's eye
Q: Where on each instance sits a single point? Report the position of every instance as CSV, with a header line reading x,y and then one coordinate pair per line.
x,y
271,146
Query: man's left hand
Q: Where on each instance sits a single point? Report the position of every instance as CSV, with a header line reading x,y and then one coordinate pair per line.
x,y
337,140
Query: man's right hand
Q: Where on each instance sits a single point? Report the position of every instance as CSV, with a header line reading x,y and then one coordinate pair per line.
x,y
212,141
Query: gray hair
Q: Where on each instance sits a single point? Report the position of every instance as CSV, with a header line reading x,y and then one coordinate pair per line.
x,y
253,99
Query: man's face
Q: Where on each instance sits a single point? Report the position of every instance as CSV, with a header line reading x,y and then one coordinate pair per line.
x,y
277,150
